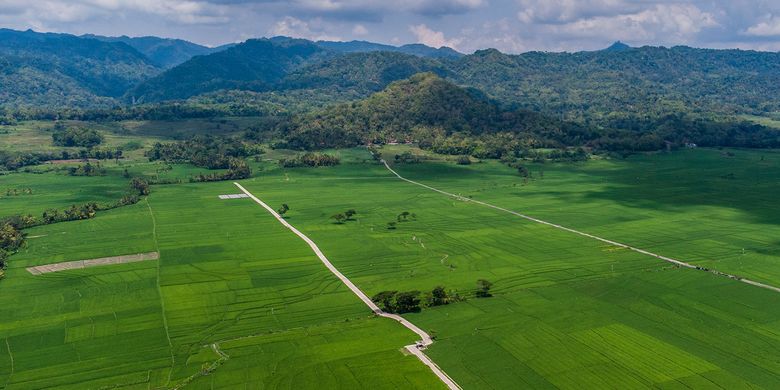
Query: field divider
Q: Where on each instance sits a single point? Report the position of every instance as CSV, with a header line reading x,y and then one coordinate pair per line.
x,y
570,230
415,349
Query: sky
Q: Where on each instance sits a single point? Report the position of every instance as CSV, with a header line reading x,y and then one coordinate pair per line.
x,y
512,26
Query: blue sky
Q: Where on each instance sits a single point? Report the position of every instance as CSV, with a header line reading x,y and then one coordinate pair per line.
x,y
509,25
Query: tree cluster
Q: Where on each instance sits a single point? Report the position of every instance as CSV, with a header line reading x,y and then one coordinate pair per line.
x,y
311,159
87,169
76,136
413,301
237,169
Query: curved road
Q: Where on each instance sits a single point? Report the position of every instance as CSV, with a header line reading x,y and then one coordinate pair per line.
x,y
415,349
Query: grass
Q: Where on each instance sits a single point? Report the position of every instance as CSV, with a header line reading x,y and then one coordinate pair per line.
x,y
234,287
569,311
228,274
710,207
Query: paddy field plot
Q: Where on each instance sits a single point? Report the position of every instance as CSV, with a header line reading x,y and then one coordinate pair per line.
x,y
568,311
228,274
713,208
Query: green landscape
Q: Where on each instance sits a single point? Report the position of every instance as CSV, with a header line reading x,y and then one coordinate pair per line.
x,y
286,212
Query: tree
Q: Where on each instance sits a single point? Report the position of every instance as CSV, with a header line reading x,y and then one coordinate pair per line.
x,y
385,300
483,288
463,160
438,297
340,218
407,302
404,215
391,225
350,213
523,171
140,185
283,210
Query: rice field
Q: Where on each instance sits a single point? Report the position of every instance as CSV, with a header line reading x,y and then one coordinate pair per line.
x,y
237,301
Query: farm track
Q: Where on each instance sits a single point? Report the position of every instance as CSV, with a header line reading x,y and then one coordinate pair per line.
x,y
570,230
415,349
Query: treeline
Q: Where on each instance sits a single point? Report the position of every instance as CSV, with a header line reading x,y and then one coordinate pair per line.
x,y
12,161
310,160
204,151
400,302
75,136
237,169
445,118
12,237
210,152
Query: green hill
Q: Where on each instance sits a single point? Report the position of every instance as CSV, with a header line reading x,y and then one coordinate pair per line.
x,y
163,52
61,70
424,106
255,65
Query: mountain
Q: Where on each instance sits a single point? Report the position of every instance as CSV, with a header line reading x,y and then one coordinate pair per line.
x,y
165,53
360,72
422,106
255,65
62,70
645,81
618,46
413,49
427,51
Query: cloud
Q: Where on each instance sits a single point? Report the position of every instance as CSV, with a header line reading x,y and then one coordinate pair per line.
x,y
667,23
179,11
433,38
769,28
359,30
296,28
566,11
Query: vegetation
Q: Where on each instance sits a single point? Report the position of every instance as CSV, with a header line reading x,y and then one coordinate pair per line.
x,y
74,136
205,151
310,160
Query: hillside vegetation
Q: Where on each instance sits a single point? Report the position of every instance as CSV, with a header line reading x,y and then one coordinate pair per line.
x,y
58,70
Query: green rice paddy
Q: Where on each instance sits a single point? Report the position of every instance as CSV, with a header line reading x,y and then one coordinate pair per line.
x,y
237,301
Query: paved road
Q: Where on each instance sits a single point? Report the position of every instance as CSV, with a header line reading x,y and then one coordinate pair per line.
x,y
425,338
615,243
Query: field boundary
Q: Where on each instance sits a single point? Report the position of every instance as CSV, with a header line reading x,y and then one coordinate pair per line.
x,y
102,261
570,230
417,348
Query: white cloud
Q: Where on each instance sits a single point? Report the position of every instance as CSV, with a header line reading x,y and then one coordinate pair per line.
x,y
565,11
296,28
359,30
672,23
433,38
769,28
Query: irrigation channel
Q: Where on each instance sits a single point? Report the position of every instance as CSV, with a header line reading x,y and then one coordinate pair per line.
x,y
615,243
415,349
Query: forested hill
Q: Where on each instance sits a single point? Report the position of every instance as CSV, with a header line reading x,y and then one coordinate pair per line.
x,y
255,65
647,80
61,70
620,87
436,113
424,106
163,52
600,86
283,63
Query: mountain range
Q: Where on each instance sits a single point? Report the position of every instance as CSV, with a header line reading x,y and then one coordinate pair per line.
x,y
44,70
